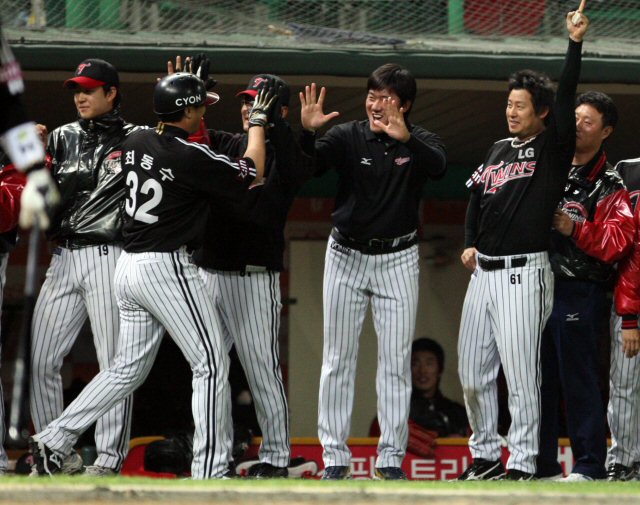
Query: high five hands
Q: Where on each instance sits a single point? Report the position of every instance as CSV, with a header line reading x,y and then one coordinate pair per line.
x,y
396,127
312,114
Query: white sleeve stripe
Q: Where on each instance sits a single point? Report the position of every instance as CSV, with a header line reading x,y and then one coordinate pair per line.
x,y
215,156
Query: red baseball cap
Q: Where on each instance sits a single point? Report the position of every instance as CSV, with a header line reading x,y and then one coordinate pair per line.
x,y
93,73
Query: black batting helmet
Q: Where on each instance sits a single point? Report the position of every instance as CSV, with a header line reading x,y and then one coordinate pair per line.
x,y
178,91
260,81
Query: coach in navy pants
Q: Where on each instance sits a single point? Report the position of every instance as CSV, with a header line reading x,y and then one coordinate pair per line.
x,y
593,228
569,358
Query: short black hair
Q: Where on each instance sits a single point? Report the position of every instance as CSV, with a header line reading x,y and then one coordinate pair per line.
x,y
538,85
118,99
394,78
426,344
603,104
172,117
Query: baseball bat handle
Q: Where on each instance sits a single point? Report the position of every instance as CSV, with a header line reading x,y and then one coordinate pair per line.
x,y
18,431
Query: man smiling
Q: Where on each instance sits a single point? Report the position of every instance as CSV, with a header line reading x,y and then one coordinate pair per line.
x,y
372,255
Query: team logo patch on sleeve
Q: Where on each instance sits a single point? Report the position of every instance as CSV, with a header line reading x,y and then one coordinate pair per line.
x,y
576,211
112,164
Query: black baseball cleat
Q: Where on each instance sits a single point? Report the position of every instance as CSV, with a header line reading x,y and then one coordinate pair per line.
x,y
389,473
516,475
618,472
483,469
45,460
336,473
267,471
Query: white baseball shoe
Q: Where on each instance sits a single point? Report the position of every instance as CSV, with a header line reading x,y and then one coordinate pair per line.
x,y
576,477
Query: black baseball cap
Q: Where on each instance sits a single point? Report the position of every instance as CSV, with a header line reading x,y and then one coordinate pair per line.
x,y
94,73
257,82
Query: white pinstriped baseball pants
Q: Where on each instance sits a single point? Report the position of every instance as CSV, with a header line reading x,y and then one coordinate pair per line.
x,y
78,284
248,307
158,291
4,259
623,411
351,279
503,316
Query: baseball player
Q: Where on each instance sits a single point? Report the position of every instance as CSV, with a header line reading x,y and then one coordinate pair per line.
x,y
372,255
593,229
20,139
241,259
170,182
11,186
508,301
624,376
87,232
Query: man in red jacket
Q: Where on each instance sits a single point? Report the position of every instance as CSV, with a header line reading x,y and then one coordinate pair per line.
x,y
594,228
11,185
623,456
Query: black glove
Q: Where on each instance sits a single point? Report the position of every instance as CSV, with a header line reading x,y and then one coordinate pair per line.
x,y
199,65
262,108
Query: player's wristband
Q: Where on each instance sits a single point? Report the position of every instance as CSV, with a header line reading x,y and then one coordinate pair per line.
x,y
23,145
629,321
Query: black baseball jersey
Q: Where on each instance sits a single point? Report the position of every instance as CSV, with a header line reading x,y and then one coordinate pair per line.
x,y
253,233
380,179
169,184
517,188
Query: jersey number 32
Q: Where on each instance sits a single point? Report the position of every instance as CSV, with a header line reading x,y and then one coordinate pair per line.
x,y
150,188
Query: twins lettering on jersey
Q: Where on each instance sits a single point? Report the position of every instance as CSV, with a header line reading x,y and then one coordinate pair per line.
x,y
493,177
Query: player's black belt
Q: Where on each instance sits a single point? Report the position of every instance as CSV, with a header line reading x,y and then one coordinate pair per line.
x,y
501,264
376,245
71,243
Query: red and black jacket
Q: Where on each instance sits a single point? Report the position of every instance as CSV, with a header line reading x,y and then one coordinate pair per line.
x,y
596,199
11,185
627,290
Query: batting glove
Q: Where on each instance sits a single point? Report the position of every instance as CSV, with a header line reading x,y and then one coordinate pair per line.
x,y
199,66
262,107
39,196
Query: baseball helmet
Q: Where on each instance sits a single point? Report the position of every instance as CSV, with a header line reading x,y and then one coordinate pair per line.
x,y
257,82
178,91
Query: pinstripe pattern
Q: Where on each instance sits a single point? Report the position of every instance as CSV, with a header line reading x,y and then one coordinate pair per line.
x,y
4,258
158,291
502,322
350,280
78,284
623,409
249,308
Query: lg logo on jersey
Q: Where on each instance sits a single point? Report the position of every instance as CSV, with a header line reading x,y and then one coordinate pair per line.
x,y
528,153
